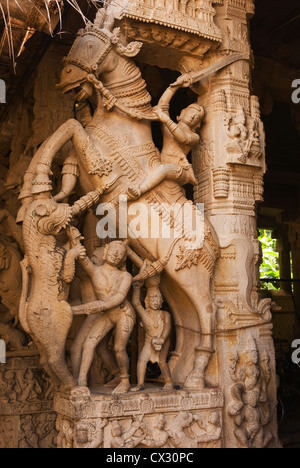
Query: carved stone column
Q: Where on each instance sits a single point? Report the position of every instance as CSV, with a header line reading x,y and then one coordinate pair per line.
x,y
230,164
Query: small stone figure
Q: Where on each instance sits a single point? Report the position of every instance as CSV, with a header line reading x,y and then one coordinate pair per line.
x,y
158,436
10,280
212,430
9,387
13,338
65,430
111,283
178,436
129,439
45,429
238,133
31,388
29,438
157,325
89,436
250,418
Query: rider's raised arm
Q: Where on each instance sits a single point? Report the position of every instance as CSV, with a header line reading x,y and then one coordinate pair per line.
x,y
164,102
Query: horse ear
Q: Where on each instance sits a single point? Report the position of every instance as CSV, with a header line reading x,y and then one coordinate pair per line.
x,y
109,19
41,210
100,18
131,50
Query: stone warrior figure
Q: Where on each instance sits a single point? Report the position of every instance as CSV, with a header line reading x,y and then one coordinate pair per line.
x,y
157,325
179,139
112,283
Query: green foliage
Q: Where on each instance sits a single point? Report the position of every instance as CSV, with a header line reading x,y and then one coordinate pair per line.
x,y
270,264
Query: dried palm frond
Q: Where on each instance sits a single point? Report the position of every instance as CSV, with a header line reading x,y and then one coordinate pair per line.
x,y
45,9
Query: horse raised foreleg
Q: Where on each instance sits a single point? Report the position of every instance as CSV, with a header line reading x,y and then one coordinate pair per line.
x,y
40,166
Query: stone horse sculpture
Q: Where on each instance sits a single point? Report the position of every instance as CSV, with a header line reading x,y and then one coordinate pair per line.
x,y
116,150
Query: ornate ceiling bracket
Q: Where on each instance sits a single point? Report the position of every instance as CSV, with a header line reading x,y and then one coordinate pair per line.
x,y
169,32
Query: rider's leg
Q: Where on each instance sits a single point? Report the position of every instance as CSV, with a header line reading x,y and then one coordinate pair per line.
x,y
163,172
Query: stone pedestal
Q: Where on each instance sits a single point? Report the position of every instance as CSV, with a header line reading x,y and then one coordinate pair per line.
x,y
153,418
27,418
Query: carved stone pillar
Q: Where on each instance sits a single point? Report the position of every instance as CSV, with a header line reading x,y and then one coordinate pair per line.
x,y
230,164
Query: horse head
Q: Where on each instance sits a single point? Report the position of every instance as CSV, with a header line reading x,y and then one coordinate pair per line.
x,y
96,51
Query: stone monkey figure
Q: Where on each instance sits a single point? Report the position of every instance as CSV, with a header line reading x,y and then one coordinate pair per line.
x,y
111,283
157,325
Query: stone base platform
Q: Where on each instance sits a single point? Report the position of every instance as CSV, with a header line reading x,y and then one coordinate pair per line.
x,y
153,418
